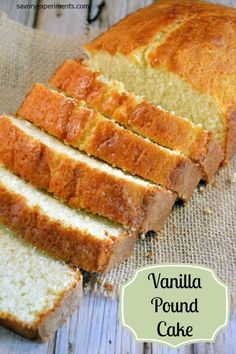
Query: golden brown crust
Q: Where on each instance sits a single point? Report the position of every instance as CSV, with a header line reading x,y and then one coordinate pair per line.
x,y
197,27
48,110
72,245
81,186
47,324
101,137
144,118
214,39
140,28
143,158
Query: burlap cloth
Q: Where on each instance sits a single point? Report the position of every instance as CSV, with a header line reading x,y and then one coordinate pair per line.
x,y
203,232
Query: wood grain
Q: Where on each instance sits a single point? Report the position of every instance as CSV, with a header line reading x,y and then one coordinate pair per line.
x,y
25,16
62,21
96,327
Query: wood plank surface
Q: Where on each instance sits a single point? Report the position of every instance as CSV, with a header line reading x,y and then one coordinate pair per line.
x,y
25,16
96,327
62,21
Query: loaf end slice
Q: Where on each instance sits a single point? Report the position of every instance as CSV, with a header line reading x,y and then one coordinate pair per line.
x,y
158,44
38,293
76,237
110,97
91,132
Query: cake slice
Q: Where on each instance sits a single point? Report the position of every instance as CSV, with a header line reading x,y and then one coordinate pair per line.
x,y
93,243
181,55
82,181
71,121
109,97
38,293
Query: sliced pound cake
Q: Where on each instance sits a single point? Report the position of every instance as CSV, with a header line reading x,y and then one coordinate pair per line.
x,y
82,181
109,97
181,55
38,293
93,243
71,121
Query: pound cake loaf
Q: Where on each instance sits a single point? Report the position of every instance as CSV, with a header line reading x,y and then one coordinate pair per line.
x,y
82,181
38,293
93,243
109,97
181,55
71,121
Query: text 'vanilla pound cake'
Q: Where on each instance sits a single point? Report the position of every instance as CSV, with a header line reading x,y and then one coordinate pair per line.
x,y
82,181
71,121
181,55
93,243
110,98
38,293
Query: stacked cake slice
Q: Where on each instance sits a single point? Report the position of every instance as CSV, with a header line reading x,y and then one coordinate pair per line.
x,y
90,242
81,181
72,122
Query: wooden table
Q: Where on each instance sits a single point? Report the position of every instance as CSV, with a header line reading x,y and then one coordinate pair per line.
x,y
96,327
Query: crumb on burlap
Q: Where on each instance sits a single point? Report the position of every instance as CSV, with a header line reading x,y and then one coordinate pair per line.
x,y
142,236
149,254
202,189
208,211
108,287
174,227
233,178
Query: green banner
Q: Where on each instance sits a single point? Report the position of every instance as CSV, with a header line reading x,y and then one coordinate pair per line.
x,y
175,304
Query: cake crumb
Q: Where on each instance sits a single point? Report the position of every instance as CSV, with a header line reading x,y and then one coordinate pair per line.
x,y
233,178
149,254
174,227
143,236
108,287
201,189
208,211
